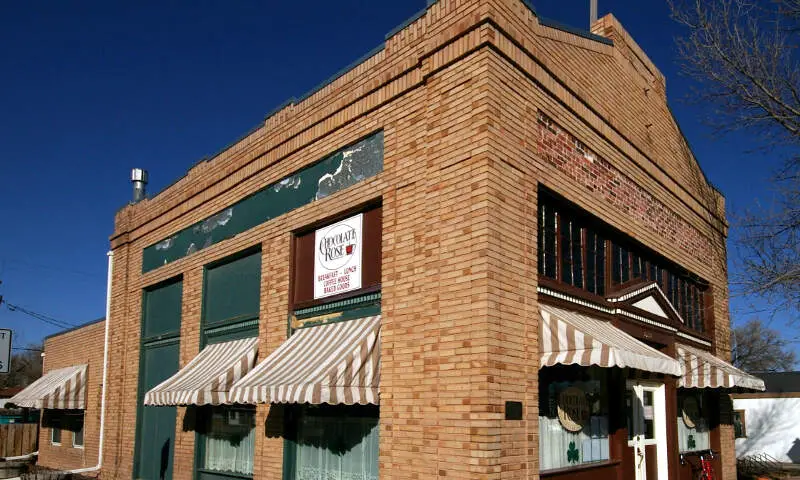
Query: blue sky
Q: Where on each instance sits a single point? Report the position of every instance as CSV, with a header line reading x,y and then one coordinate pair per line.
x,y
90,89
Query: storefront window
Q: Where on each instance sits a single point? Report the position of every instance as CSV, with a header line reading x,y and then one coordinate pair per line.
x,y
573,416
693,431
333,442
228,442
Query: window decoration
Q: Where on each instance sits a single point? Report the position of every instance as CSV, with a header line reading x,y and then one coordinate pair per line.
x,y
573,416
693,424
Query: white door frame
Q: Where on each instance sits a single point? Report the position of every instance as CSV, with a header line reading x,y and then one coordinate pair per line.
x,y
638,387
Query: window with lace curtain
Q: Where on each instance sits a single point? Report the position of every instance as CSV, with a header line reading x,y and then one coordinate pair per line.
x,y
570,442
227,441
326,442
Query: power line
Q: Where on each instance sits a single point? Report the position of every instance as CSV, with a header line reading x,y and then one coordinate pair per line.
x,y
39,316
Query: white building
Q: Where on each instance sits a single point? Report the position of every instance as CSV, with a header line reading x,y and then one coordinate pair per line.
x,y
768,422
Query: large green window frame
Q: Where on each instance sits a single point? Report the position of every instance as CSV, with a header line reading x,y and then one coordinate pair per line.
x,y
225,440
232,291
158,360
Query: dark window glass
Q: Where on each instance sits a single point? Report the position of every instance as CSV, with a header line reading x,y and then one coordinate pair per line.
x,y
701,304
571,253
622,267
638,270
595,262
547,241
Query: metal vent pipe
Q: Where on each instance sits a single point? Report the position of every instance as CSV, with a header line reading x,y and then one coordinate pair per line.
x,y
139,180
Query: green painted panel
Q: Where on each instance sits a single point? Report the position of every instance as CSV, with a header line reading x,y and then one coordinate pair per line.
x,y
155,439
336,172
230,332
232,290
162,310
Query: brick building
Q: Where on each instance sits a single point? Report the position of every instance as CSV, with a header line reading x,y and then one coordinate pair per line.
x,y
484,251
69,396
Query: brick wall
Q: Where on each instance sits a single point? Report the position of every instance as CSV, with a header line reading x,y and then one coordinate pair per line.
x,y
457,96
80,346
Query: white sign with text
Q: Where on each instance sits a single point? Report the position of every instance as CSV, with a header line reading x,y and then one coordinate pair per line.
x,y
5,350
337,259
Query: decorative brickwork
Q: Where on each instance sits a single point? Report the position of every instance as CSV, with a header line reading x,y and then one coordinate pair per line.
x,y
562,150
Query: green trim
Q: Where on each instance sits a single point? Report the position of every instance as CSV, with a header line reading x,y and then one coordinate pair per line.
x,y
333,306
348,309
161,339
354,313
362,159
232,326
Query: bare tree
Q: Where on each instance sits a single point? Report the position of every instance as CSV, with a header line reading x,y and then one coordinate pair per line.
x,y
757,348
26,367
743,55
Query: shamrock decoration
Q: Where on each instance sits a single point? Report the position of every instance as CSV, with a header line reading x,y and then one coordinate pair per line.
x,y
572,453
692,444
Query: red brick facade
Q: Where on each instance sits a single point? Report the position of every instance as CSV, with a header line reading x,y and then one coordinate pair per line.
x,y
459,93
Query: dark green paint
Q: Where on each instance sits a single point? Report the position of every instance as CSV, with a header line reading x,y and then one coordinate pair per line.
x,y
155,441
232,290
229,333
161,312
336,172
158,360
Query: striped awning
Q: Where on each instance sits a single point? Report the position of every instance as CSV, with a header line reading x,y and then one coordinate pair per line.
x,y
62,389
208,377
703,370
571,338
334,363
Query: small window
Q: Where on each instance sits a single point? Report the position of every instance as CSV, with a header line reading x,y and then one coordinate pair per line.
x,y
55,435
77,436
739,424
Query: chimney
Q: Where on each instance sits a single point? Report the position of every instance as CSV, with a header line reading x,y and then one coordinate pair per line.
x,y
592,12
139,180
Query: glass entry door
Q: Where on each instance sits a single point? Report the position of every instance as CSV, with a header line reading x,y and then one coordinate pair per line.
x,y
647,434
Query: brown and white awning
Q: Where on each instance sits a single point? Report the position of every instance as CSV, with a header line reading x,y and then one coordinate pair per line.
x,y
207,379
703,370
571,338
334,363
62,389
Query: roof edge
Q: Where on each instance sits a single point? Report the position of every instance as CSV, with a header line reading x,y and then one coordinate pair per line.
x,y
69,330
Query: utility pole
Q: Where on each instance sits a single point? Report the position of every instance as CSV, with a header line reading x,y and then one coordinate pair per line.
x,y
592,12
